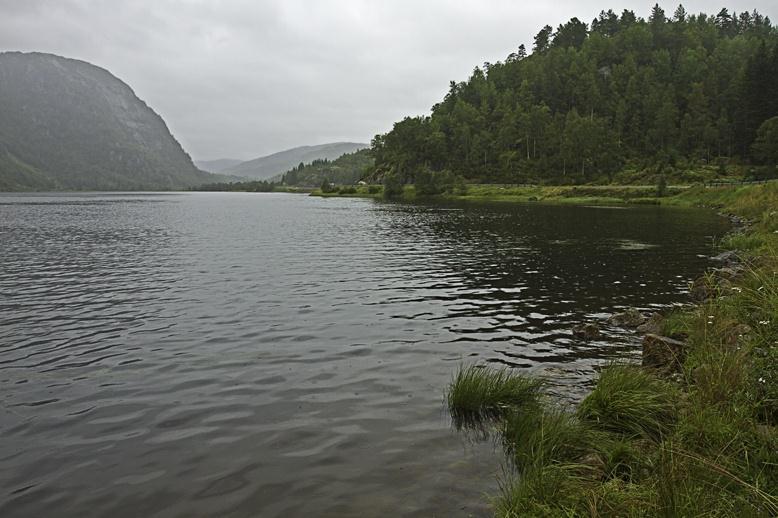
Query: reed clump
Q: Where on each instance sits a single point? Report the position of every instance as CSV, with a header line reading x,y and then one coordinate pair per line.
x,y
479,393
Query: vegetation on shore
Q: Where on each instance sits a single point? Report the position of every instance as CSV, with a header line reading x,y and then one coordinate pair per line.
x,y
347,169
696,438
668,194
248,186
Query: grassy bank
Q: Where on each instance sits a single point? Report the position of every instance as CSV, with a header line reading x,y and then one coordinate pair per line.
x,y
695,436
610,195
685,195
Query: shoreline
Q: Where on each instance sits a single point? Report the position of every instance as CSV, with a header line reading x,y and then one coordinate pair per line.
x,y
518,194
692,430
621,195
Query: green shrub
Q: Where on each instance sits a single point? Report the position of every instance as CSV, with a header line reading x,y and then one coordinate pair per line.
x,y
661,186
393,185
429,183
457,186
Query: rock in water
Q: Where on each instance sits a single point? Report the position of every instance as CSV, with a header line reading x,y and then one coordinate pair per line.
x,y
652,325
587,331
67,124
629,318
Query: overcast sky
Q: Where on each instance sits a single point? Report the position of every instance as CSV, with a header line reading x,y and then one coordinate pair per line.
x,y
245,78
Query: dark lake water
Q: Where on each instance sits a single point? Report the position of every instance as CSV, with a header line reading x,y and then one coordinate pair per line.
x,y
270,355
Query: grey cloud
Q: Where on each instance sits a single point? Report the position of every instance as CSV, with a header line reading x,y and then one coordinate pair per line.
x,y
242,78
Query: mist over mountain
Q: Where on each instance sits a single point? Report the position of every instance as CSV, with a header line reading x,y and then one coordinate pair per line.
x,y
67,124
271,165
218,165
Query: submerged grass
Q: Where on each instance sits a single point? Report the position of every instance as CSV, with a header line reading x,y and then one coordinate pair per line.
x,y
477,393
704,444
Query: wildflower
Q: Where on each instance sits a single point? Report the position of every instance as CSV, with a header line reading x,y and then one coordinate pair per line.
x,y
735,288
761,380
764,322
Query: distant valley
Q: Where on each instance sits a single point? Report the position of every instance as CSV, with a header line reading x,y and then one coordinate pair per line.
x,y
217,166
267,167
69,125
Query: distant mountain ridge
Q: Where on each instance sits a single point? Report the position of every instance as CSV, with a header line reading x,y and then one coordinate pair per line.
x,y
218,165
68,124
266,167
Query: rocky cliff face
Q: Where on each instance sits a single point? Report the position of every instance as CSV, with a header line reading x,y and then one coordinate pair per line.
x,y
67,124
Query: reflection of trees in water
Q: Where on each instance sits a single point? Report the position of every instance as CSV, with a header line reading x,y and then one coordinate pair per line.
x,y
517,277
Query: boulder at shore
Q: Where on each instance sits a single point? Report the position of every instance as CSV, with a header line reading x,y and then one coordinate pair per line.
x,y
663,353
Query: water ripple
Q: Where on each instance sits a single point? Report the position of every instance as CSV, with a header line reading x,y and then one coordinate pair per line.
x,y
280,355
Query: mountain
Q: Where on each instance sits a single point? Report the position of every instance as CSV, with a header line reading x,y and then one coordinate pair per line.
x,y
347,169
271,165
67,124
218,165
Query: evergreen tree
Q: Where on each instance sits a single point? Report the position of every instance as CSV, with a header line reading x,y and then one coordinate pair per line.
x,y
542,39
647,92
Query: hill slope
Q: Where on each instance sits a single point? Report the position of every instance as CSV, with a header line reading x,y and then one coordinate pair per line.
x,y
271,165
592,101
217,166
67,124
347,169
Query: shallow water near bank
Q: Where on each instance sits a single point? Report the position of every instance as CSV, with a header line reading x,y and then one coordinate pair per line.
x,y
237,354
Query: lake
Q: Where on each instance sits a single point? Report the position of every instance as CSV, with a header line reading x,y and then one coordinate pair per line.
x,y
235,354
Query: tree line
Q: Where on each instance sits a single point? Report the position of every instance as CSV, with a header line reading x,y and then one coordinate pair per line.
x,y
674,90
347,169
247,186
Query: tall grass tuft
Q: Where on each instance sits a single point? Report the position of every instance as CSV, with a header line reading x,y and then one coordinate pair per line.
x,y
478,393
631,401
540,436
542,491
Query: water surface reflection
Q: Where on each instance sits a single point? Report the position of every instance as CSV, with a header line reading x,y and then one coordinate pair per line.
x,y
280,355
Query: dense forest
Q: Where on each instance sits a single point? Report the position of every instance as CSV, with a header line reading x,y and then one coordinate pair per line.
x,y
344,170
623,93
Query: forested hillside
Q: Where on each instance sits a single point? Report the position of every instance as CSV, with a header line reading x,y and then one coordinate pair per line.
x,y
344,170
673,91
269,166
